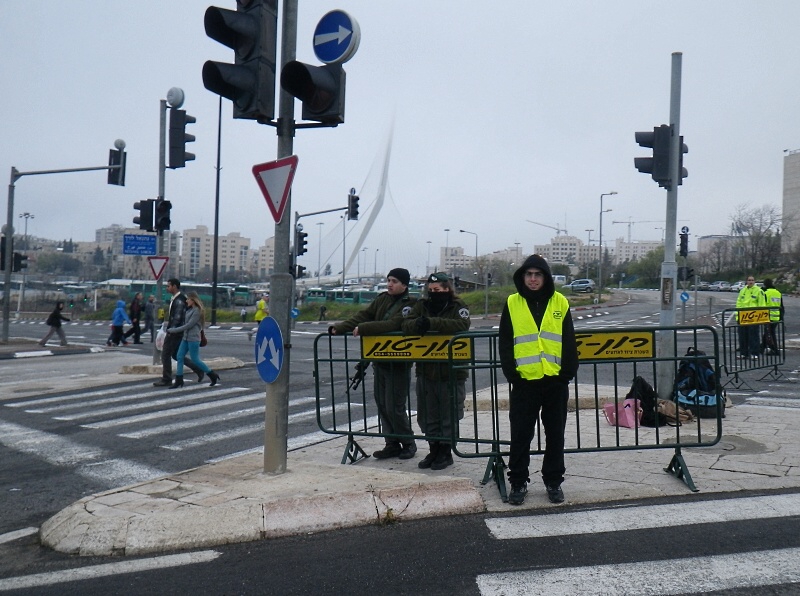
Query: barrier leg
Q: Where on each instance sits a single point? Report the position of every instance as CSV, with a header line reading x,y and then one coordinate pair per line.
x,y
353,451
774,374
737,382
495,469
678,468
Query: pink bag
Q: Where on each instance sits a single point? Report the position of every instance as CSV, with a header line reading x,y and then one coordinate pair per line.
x,y
627,414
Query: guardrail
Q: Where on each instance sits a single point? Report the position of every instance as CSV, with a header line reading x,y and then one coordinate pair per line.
x,y
609,361
740,327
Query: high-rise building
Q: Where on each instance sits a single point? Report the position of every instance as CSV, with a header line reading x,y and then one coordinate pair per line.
x,y
790,234
198,254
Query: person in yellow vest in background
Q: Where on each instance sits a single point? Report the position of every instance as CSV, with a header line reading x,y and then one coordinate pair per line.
x,y
539,357
262,311
775,302
750,296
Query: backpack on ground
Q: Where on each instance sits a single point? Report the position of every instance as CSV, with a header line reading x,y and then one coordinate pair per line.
x,y
648,400
697,386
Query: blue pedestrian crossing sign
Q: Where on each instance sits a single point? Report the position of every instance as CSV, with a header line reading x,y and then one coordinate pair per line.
x,y
336,37
269,350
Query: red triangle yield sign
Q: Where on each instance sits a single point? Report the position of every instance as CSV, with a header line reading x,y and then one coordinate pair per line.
x,y
275,181
157,265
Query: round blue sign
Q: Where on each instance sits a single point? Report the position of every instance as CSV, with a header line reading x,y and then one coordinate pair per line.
x,y
269,350
295,312
684,296
336,37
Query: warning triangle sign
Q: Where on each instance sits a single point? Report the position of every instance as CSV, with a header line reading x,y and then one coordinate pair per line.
x,y
157,265
275,178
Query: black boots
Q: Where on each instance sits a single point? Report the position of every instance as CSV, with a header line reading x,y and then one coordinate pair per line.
x,y
200,375
178,382
429,459
214,378
443,457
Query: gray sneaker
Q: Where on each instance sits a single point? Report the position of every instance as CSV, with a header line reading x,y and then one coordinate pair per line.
x,y
555,494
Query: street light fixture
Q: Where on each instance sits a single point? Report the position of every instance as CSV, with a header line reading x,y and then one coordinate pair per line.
x,y
27,216
364,250
588,250
428,261
600,261
446,249
319,249
376,266
485,280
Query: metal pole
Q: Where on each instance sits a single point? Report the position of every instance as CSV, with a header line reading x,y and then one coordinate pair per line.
x,y
9,234
344,256
446,248
216,217
376,266
162,168
276,416
319,250
665,346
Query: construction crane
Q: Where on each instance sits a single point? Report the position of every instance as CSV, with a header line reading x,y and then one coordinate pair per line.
x,y
630,223
555,227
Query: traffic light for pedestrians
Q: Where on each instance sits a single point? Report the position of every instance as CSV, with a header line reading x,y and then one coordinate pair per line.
x,y
20,262
178,137
117,157
320,88
162,215
684,246
145,218
657,165
300,242
352,204
251,31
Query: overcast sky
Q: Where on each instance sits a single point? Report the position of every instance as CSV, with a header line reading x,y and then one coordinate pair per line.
x,y
501,112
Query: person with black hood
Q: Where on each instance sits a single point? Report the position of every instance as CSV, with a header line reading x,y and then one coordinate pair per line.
x,y
539,357
440,311
54,321
392,379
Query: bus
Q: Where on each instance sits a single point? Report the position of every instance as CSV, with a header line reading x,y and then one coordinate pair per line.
x,y
225,298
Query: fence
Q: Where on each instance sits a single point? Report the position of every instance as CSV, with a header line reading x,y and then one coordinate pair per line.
x,y
750,341
609,360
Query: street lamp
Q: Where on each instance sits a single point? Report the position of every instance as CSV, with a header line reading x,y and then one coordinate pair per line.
x,y
364,250
600,262
428,262
588,250
662,232
319,249
27,216
376,266
485,281
446,248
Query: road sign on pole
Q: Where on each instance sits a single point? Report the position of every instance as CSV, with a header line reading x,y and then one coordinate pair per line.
x,y
269,349
275,179
157,265
336,37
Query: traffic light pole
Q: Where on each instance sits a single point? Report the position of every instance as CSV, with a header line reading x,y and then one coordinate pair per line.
x,y
665,346
162,169
276,416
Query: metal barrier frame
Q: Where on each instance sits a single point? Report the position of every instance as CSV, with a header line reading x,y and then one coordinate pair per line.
x,y
479,434
734,366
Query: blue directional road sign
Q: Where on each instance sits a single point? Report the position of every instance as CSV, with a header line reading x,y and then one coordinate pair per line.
x,y
269,350
294,313
138,244
684,296
336,37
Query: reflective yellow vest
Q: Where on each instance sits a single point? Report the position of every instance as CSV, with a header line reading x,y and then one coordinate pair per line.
x,y
774,302
537,352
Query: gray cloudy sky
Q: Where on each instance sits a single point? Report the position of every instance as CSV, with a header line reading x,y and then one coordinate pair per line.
x,y
503,111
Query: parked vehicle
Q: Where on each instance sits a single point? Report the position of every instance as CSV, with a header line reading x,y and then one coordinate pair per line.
x,y
581,285
737,286
701,285
720,286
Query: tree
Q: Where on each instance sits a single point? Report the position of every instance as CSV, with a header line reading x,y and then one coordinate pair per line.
x,y
757,231
648,268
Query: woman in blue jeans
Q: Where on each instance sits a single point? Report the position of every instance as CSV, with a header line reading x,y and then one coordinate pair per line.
x,y
194,323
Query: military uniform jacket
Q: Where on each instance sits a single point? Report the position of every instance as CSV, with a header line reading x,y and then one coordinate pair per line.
x,y
383,315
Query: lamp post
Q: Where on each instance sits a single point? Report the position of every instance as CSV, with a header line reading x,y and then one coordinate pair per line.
x,y
27,216
364,250
319,249
428,261
600,261
662,232
588,250
485,281
376,266
446,249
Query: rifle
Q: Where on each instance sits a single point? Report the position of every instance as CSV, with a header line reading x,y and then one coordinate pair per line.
x,y
359,374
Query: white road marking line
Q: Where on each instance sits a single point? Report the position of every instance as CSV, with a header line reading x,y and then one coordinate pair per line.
x,y
17,534
62,398
107,569
697,575
197,394
643,516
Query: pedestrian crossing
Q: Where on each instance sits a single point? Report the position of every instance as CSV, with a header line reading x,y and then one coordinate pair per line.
x,y
116,426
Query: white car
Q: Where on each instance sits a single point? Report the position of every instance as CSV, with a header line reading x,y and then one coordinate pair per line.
x,y
720,286
737,286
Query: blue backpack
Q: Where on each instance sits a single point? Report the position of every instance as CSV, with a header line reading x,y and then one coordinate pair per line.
x,y
697,386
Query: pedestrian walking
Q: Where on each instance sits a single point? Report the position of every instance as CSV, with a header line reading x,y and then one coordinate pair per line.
x,y
243,313
392,379
539,357
118,319
750,296
444,312
135,313
323,313
190,332
150,317
169,352
261,309
54,320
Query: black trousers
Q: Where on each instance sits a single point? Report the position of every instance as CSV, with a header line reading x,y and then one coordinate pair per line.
x,y
529,401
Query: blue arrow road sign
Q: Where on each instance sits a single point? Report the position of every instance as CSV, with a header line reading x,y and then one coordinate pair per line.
x,y
336,37
269,350
684,296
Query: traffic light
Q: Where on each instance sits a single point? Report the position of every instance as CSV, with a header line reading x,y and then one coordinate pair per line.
x,y
117,157
320,88
251,31
300,242
299,271
352,204
658,165
178,156
488,279
162,216
2,253
684,246
145,218
682,172
20,262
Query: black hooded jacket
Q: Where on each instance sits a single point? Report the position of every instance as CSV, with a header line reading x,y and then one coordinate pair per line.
x,y
537,302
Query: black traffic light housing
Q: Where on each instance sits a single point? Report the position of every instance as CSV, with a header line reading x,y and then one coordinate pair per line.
x,y
20,262
251,31
684,245
3,253
299,271
300,242
162,215
657,165
178,137
320,88
117,157
352,204
145,218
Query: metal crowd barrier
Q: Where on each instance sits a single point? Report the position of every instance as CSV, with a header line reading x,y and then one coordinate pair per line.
x,y
609,361
771,345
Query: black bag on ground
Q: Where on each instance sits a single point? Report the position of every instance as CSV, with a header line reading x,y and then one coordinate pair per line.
x,y
697,386
648,398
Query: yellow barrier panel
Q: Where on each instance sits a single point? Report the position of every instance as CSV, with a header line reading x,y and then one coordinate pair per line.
x,y
618,345
414,347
